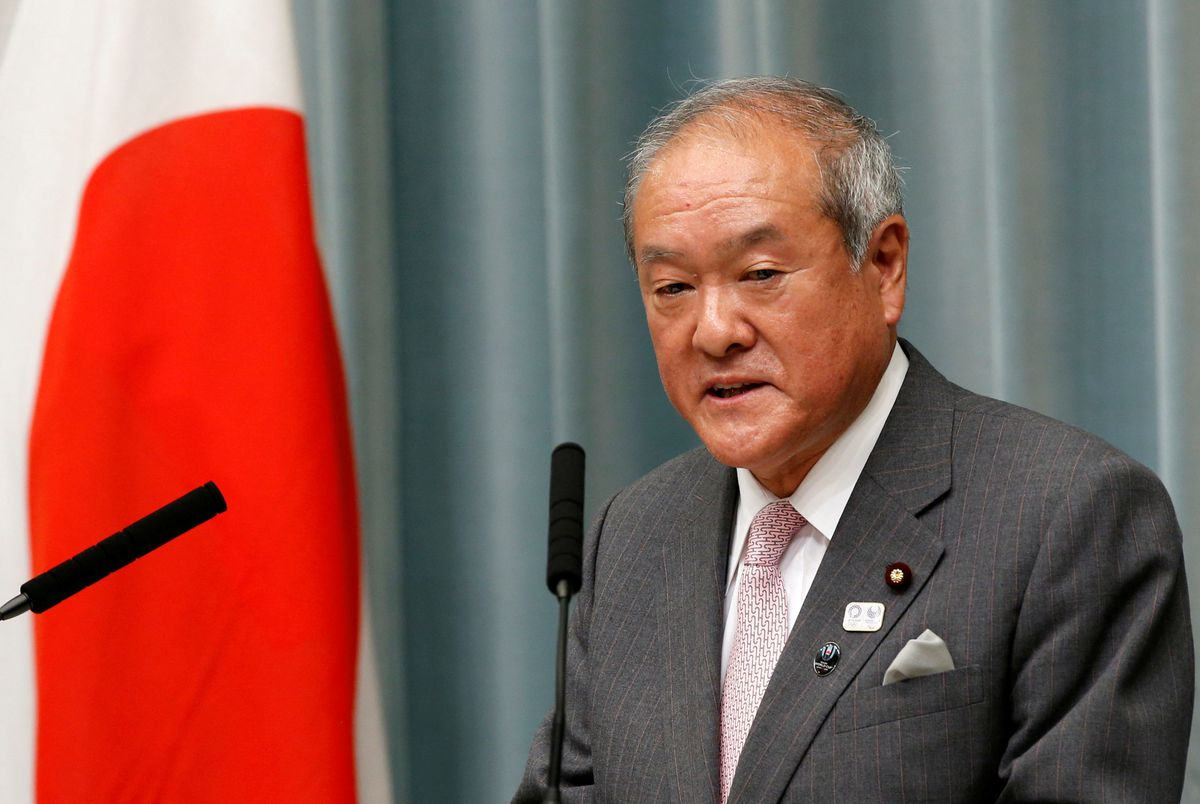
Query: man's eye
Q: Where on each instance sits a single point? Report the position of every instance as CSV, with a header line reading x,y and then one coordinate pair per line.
x,y
673,289
761,274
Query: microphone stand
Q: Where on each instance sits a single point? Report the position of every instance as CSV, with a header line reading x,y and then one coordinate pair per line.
x,y
553,793
564,575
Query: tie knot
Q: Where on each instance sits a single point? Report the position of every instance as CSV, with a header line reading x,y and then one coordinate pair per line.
x,y
771,531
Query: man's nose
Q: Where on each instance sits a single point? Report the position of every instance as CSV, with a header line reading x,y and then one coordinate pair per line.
x,y
722,327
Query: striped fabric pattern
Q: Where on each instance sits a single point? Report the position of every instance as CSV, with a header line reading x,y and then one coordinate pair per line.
x,y
1048,561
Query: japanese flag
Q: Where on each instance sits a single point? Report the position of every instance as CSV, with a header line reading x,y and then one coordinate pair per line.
x,y
164,321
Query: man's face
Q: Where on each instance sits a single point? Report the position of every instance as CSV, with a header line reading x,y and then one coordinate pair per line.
x,y
768,343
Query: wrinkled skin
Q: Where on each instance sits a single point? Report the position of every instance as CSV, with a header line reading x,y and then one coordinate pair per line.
x,y
744,281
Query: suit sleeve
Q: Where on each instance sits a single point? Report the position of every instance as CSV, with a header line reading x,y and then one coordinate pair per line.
x,y
1102,665
576,778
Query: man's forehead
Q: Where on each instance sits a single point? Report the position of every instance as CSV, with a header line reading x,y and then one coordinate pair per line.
x,y
710,168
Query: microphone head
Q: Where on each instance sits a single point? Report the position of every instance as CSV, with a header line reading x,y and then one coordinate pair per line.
x,y
216,500
565,553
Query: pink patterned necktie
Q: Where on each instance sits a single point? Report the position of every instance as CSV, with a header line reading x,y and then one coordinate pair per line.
x,y
761,630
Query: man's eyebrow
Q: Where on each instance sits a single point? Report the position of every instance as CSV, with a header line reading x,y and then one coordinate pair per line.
x,y
765,233
649,254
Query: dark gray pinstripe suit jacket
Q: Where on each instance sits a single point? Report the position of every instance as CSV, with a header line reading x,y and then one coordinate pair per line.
x,y
1048,561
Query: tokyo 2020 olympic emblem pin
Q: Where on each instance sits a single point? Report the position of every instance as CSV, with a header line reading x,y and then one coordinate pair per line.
x,y
866,617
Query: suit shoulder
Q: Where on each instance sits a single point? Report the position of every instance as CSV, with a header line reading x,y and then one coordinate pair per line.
x,y
1065,473
665,501
670,493
979,434
1058,442
681,477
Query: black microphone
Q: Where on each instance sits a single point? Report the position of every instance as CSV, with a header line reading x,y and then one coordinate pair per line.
x,y
564,575
123,547
565,554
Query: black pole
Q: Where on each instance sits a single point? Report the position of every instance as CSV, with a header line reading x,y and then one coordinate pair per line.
x,y
553,793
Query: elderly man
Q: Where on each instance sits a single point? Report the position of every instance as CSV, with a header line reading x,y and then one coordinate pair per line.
x,y
870,584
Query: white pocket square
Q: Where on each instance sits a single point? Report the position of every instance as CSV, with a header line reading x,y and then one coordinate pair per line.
x,y
923,656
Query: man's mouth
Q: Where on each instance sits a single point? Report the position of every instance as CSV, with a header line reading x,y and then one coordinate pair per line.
x,y
735,389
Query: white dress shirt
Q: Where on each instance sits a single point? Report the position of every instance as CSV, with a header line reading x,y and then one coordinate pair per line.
x,y
820,498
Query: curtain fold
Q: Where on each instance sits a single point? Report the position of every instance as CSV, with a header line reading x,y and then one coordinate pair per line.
x,y
472,155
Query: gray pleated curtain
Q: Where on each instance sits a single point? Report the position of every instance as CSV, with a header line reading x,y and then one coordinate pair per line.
x,y
467,163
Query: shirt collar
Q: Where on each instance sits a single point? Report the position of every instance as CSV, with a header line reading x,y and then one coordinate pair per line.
x,y
822,496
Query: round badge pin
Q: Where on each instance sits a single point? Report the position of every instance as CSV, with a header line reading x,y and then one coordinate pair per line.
x,y
826,658
898,576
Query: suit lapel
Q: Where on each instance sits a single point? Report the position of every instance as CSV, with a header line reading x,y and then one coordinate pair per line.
x,y
694,560
907,472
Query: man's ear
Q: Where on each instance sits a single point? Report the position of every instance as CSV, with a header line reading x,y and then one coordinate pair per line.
x,y
887,256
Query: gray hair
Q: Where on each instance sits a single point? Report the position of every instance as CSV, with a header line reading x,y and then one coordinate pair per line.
x,y
861,184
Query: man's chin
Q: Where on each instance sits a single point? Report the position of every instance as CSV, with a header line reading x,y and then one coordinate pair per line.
x,y
779,477
734,455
